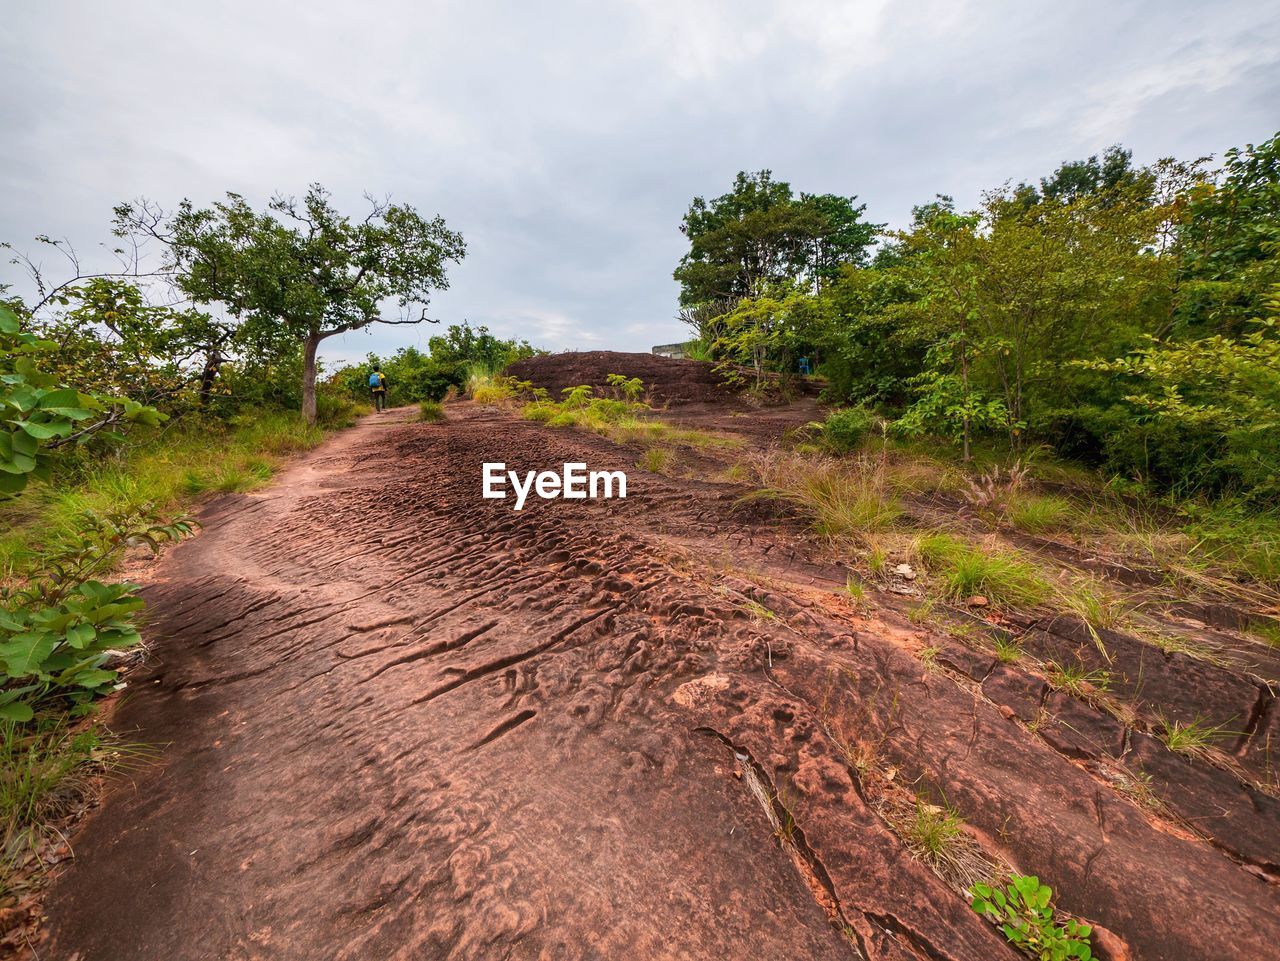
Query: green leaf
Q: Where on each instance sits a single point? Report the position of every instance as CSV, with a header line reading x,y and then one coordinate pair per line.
x,y
9,323
44,431
24,654
62,397
17,711
94,677
80,635
23,443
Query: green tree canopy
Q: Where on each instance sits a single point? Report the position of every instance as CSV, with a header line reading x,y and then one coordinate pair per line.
x,y
760,234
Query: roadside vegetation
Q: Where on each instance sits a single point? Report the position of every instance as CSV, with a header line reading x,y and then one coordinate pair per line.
x,y
621,415
128,395
1124,316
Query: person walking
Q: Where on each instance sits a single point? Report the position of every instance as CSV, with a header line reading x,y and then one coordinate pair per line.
x,y
378,388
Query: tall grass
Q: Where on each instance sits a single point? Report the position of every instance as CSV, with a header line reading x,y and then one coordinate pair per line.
x,y
1038,514
845,499
965,570
165,468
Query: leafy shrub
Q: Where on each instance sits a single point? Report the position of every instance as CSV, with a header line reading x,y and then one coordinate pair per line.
x,y
39,414
844,430
334,409
576,398
1023,912
629,389
58,629
504,390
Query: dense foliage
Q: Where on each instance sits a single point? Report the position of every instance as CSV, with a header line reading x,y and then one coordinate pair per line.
x,y
459,355
60,624
1124,315
301,271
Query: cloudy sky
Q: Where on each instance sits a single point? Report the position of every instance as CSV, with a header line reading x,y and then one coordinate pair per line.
x,y
565,140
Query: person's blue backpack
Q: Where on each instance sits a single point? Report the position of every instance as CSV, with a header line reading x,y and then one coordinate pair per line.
x,y
375,380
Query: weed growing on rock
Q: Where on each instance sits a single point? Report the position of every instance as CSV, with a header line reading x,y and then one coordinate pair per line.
x,y
1190,737
967,570
1078,680
1007,650
431,411
1023,911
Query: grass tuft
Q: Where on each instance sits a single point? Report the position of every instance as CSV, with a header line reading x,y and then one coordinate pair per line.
x,y
845,500
431,411
1038,514
1003,577
1190,737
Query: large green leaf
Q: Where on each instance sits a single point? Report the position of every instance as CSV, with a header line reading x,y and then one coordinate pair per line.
x,y
62,397
24,654
16,711
94,677
47,431
79,635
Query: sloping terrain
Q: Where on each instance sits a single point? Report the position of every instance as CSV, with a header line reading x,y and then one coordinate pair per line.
x,y
400,721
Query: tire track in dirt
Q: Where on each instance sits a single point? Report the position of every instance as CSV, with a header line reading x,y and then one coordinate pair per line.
x,y
465,733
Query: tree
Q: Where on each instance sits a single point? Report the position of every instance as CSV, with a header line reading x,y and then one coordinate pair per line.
x,y
301,270
1114,174
837,235
112,340
759,235
464,344
1229,241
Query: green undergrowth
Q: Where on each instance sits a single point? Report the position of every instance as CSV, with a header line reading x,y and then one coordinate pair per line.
x,y
623,419
845,500
45,766
964,569
165,470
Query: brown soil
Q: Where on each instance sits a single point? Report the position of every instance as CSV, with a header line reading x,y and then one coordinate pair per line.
x,y
402,722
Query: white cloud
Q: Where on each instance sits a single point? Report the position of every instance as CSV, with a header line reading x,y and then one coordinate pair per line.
x,y
565,139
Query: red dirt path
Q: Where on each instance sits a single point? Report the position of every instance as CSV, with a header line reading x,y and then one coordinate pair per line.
x,y
400,721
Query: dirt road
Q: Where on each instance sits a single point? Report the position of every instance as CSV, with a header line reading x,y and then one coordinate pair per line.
x,y
399,721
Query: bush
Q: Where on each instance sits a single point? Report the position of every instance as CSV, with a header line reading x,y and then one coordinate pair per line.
x,y
431,411
844,430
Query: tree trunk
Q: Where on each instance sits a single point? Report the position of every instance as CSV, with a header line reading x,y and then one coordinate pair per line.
x,y
309,346
212,364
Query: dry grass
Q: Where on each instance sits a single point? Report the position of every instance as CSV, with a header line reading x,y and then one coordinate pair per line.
x,y
847,500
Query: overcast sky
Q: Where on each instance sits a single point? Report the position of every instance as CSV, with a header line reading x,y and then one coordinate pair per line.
x,y
565,140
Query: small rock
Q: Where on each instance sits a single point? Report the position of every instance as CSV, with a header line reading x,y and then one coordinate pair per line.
x,y
905,571
977,601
